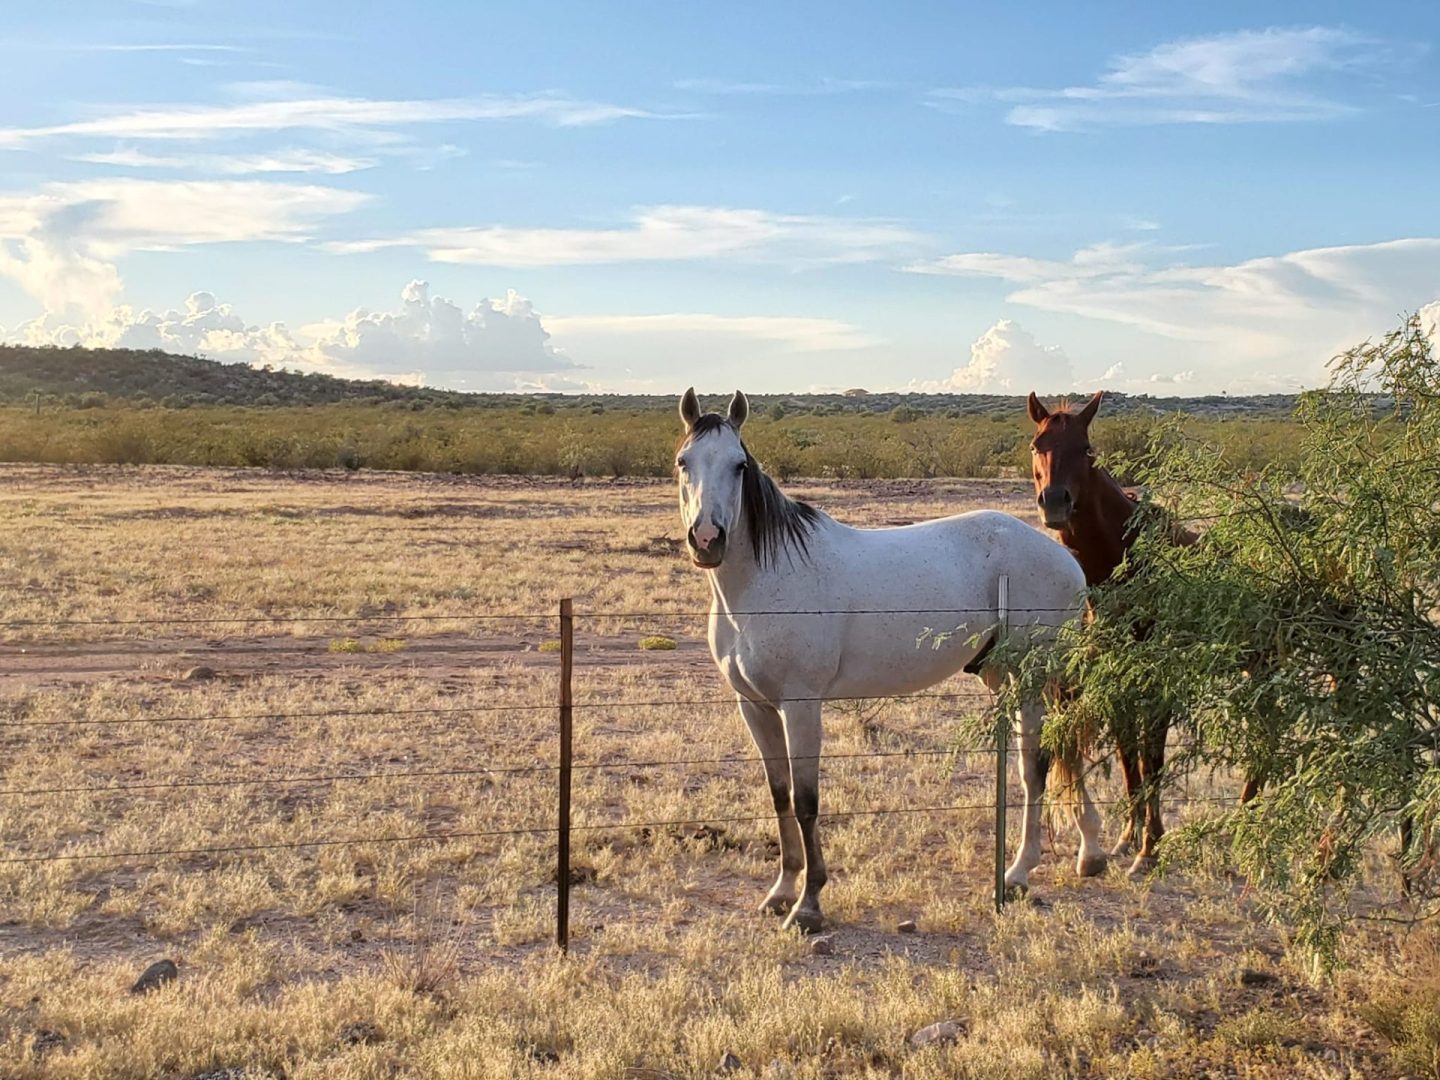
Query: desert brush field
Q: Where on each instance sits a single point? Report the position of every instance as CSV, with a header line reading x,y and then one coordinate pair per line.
x,y
348,680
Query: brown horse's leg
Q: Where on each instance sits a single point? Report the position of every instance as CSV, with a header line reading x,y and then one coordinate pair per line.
x,y
1407,838
1126,751
1152,772
1253,783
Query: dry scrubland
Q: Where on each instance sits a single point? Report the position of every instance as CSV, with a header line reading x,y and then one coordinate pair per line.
x,y
433,959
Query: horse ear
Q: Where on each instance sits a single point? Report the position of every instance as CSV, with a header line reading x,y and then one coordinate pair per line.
x,y
689,408
1038,412
739,410
1088,412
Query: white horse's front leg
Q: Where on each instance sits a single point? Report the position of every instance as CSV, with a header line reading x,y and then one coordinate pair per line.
x,y
802,738
768,732
1032,775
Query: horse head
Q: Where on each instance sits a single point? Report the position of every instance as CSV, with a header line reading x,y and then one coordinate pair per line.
x,y
710,466
1063,459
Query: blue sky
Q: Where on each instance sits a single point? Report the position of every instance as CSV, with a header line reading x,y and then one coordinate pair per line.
x,y
1163,198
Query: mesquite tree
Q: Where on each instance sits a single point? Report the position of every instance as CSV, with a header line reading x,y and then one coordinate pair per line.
x,y
1297,645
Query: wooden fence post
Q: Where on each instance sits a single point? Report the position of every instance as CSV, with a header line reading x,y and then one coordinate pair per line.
x,y
567,702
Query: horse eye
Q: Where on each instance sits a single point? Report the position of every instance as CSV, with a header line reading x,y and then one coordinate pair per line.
x,y
680,464
740,468
1089,451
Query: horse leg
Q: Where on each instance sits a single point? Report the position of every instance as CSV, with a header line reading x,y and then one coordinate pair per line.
x,y
1253,783
802,739
1129,755
1034,764
1091,860
768,733
1152,775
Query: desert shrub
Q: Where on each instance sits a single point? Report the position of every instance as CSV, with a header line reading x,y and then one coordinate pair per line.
x,y
1298,642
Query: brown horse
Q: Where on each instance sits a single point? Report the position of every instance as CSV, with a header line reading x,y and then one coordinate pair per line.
x,y
1091,512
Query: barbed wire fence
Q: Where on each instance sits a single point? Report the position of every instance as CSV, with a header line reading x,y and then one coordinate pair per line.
x,y
562,769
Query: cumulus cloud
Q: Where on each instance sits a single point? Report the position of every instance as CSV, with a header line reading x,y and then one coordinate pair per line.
x,y
1249,76
1006,359
664,233
1276,318
59,243
497,344
449,344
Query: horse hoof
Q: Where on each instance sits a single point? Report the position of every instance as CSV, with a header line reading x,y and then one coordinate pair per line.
x,y
1016,890
776,905
807,922
1092,866
1142,867
1120,850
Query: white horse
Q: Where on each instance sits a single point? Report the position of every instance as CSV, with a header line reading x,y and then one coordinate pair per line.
x,y
804,608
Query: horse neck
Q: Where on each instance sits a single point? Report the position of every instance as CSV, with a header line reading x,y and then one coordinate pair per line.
x,y
1098,533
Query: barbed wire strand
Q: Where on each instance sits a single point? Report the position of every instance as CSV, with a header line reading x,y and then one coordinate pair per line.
x,y
520,770
524,831
594,703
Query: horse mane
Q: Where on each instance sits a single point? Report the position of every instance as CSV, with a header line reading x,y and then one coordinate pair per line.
x,y
777,522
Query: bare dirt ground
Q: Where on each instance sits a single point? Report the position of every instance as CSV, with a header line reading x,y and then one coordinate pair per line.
x,y
379,763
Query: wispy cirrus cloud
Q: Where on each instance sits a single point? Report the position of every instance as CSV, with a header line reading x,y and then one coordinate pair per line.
x,y
791,332
278,161
1249,76
328,114
665,234
1285,313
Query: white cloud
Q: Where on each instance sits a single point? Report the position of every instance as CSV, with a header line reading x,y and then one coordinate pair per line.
x,y
1007,359
277,161
1430,320
497,344
59,243
449,344
1097,260
1248,76
793,333
329,114
665,233
1284,316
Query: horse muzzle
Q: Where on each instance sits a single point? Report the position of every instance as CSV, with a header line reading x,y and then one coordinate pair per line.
x,y
1056,507
707,545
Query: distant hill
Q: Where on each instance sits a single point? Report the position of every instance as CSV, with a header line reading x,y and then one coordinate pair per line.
x,y
69,374
95,377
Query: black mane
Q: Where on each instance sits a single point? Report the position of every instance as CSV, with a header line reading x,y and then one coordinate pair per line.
x,y
776,521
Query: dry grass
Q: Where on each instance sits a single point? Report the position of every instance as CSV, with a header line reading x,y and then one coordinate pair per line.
x,y
433,958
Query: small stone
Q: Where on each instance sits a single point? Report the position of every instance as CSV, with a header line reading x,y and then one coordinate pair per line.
x,y
938,1034
822,946
357,934
155,976
728,1064
1251,977
45,1041
908,927
199,674
360,1034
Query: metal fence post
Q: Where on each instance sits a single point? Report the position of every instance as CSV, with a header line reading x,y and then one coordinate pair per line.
x,y
1002,748
567,702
